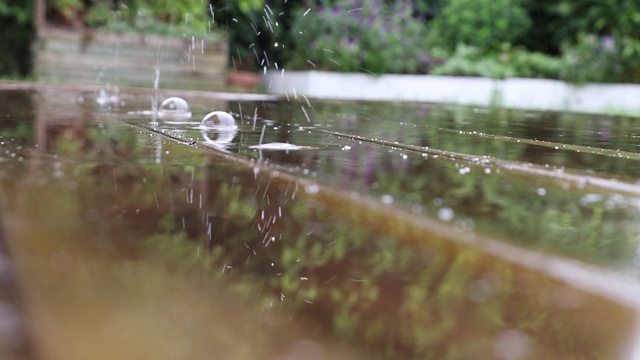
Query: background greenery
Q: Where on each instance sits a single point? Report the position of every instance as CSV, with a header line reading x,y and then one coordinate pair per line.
x,y
578,41
16,36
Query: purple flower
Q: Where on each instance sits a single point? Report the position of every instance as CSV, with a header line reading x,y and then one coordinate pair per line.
x,y
607,42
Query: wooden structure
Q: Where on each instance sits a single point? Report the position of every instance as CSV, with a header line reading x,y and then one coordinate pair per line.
x,y
87,56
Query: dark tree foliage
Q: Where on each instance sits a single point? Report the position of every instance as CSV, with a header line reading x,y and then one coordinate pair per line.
x,y
555,23
16,36
253,35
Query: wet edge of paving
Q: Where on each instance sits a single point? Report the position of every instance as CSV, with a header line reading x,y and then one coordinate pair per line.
x,y
15,339
221,95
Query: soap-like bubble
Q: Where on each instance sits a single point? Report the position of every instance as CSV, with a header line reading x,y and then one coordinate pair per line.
x,y
218,119
174,107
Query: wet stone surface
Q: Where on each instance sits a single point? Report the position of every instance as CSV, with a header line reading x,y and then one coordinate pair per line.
x,y
340,230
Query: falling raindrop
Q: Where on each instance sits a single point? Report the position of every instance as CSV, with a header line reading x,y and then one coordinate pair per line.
x,y
174,107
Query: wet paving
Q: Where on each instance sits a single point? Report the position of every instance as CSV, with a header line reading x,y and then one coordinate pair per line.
x,y
314,230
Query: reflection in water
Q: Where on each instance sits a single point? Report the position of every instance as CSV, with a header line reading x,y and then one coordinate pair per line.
x,y
220,139
200,252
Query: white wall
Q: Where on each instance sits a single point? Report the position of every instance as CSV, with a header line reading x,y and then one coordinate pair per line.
x,y
534,94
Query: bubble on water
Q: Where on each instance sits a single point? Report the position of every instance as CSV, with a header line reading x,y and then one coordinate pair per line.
x,y
218,119
446,214
174,107
512,344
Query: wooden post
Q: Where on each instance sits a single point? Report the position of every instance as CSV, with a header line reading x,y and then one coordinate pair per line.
x,y
39,10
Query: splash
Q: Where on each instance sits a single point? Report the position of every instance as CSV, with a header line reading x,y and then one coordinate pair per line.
x,y
280,146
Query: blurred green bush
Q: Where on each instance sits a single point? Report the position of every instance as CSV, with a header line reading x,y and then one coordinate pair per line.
x,y
585,41
16,35
349,35
486,24
594,41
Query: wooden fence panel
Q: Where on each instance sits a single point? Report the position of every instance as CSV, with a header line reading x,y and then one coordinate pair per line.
x,y
77,57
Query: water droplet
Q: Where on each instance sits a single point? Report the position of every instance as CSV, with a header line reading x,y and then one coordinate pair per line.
x,y
174,107
387,199
311,188
445,214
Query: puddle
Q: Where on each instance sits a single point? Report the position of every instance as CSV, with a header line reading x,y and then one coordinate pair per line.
x,y
172,242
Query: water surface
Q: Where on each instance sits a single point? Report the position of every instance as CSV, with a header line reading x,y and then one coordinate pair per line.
x,y
387,233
